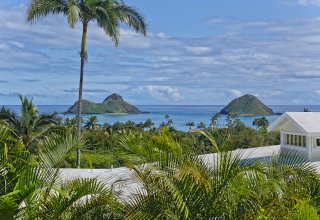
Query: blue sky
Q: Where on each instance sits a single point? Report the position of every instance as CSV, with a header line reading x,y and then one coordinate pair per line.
x,y
199,52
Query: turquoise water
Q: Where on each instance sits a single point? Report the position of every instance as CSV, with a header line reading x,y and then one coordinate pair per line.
x,y
180,114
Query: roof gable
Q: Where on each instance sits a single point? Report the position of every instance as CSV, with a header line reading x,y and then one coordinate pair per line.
x,y
307,122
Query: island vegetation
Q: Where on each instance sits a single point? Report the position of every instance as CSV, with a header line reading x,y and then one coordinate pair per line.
x,y
112,104
247,105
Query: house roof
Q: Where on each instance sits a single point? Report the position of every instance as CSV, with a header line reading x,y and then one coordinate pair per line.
x,y
308,122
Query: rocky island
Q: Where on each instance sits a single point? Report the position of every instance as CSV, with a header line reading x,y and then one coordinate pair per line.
x,y
112,104
247,105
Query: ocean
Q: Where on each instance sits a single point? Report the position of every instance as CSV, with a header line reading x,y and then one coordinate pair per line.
x,y
180,114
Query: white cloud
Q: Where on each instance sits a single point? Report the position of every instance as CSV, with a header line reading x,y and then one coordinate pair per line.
x,y
219,21
236,92
163,92
308,2
17,44
198,50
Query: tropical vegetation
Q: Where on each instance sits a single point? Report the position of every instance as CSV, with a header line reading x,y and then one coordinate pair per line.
x,y
104,149
31,186
175,182
29,125
180,185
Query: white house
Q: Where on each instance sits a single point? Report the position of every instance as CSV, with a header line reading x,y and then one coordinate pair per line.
x,y
299,131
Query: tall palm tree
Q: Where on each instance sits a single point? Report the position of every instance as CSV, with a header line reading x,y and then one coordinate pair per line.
x,y
108,14
214,119
29,124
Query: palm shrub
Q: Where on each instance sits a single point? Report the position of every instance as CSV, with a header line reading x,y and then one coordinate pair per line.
x,y
35,189
29,124
179,185
92,123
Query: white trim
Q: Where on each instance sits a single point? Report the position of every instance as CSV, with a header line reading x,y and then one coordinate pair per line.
x,y
284,116
314,143
296,133
295,147
304,121
276,122
296,123
309,148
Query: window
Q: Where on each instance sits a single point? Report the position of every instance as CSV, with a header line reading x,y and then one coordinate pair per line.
x,y
318,142
297,140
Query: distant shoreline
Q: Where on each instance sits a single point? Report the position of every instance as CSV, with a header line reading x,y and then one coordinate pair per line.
x,y
165,105
142,113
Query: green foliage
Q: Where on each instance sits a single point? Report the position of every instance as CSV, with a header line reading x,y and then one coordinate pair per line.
x,y
97,160
104,148
29,125
34,189
92,124
303,210
215,119
179,185
148,124
261,123
107,14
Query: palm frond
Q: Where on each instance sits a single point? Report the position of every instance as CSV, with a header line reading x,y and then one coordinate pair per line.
x,y
85,198
41,8
131,17
58,146
73,12
108,20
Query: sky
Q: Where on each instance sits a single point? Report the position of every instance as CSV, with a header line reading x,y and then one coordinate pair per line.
x,y
197,52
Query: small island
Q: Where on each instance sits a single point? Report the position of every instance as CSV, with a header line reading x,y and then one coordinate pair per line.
x,y
113,104
247,105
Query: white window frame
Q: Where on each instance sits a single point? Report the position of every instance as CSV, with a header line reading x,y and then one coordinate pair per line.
x,y
315,146
296,147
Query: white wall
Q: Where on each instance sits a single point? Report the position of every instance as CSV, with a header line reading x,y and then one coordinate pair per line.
x,y
315,150
289,127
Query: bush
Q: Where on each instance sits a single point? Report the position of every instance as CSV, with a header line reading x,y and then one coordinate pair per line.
x,y
96,160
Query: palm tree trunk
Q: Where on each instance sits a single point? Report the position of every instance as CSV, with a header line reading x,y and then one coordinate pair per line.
x,y
83,55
